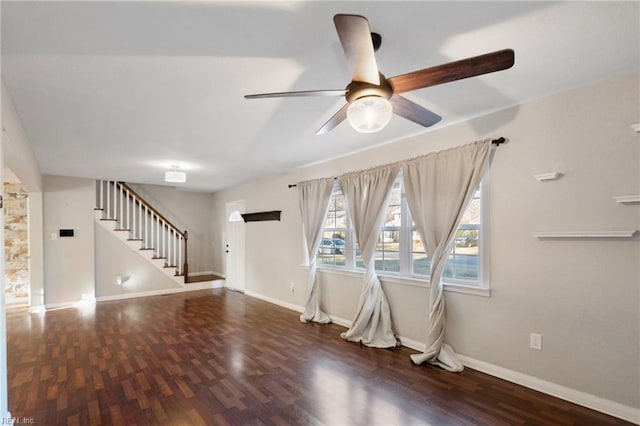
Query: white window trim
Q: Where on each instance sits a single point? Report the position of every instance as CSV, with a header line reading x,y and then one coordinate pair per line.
x,y
401,280
479,288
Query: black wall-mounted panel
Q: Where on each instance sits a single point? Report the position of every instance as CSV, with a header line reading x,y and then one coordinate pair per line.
x,y
66,233
261,216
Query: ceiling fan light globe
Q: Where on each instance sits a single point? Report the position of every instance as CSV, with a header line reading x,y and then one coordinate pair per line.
x,y
369,114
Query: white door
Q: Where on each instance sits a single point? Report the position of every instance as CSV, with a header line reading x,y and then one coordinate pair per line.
x,y
234,245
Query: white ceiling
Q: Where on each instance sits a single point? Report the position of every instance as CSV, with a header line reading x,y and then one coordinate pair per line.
x,y
123,89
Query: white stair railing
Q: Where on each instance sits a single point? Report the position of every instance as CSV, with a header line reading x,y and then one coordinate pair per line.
x,y
120,203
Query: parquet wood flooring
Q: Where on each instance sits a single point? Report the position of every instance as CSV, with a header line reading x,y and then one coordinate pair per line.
x,y
218,357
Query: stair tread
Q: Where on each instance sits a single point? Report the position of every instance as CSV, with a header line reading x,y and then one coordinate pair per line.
x,y
140,207
202,278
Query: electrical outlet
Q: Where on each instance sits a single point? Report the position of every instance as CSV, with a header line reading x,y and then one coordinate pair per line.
x,y
535,341
292,288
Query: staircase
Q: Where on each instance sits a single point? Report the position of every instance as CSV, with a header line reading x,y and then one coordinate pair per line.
x,y
121,210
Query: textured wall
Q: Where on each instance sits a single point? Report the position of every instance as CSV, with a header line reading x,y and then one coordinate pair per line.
x,y
16,243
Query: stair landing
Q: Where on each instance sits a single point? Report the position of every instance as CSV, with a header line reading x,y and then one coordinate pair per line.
x,y
202,278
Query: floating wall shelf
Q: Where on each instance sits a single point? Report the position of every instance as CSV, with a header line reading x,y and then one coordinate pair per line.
x,y
627,199
585,234
262,216
636,127
548,176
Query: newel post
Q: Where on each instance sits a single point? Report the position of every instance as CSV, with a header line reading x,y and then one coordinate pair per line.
x,y
185,267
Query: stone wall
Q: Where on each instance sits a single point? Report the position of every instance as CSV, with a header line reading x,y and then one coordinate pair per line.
x,y
16,243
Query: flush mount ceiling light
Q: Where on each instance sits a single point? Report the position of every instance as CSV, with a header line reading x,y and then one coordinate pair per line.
x,y
175,176
369,114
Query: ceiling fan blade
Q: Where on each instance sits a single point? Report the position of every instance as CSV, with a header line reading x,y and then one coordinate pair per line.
x,y
465,68
336,119
339,92
355,37
414,112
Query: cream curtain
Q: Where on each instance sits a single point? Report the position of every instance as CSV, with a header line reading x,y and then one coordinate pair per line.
x,y
367,193
314,198
439,187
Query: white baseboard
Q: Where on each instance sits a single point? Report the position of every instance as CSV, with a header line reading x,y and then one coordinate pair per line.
x,y
190,287
597,403
412,344
297,308
577,397
593,402
62,305
205,285
287,305
37,309
340,321
84,301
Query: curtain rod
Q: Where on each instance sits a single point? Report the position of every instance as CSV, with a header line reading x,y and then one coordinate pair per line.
x,y
496,142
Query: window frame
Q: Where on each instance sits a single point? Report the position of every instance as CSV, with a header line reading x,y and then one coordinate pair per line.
x,y
405,276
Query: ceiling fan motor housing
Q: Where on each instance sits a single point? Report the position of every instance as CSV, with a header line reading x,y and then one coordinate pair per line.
x,y
359,89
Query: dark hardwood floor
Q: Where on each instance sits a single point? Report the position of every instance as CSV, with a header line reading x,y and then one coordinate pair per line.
x,y
217,357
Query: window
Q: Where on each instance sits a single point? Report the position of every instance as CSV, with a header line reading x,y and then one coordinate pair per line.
x,y
333,248
387,255
399,251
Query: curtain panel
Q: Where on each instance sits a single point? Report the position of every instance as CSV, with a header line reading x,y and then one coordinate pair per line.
x,y
438,188
367,194
314,200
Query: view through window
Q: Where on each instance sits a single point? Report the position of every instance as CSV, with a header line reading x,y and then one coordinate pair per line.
x,y
399,251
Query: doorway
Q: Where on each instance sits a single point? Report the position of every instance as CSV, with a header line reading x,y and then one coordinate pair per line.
x,y
235,245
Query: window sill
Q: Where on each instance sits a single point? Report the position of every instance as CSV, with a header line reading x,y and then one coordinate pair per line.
x,y
415,282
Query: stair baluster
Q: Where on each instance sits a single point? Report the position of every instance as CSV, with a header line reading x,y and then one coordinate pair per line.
x,y
108,200
119,202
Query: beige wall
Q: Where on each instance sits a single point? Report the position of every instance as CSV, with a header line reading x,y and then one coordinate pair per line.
x,y
19,156
69,261
581,295
36,250
17,151
189,211
86,266
113,259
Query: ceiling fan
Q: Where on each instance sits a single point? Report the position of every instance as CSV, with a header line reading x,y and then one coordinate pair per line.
x,y
371,97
